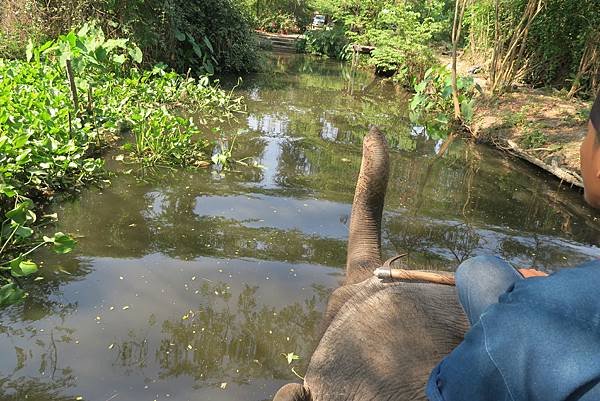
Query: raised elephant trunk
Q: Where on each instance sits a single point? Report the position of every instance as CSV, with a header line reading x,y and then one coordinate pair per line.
x,y
364,242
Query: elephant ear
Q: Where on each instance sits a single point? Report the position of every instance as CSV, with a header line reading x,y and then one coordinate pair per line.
x,y
293,392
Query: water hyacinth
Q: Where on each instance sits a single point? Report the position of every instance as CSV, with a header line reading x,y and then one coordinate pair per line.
x,y
74,97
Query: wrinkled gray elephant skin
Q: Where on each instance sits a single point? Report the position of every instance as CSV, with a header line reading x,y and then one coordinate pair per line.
x,y
380,340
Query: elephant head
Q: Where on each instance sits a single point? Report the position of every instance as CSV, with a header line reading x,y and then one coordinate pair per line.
x,y
380,340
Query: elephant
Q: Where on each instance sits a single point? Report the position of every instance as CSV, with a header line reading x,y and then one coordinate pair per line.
x,y
380,339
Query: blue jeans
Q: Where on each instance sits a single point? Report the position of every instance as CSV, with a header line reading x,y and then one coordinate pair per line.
x,y
480,281
536,339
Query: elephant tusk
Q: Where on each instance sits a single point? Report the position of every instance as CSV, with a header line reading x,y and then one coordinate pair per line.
x,y
413,275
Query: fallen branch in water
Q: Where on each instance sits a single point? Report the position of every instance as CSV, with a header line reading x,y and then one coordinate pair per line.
x,y
564,175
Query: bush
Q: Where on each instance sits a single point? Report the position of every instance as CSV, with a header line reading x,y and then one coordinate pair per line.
x,y
329,41
280,12
433,104
561,42
401,43
207,36
399,34
280,23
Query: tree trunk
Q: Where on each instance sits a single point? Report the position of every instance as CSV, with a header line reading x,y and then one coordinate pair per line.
x,y
459,10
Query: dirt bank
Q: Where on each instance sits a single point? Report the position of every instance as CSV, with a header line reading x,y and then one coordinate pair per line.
x,y
541,126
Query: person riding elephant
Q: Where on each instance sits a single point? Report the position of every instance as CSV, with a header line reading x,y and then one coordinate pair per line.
x,y
528,337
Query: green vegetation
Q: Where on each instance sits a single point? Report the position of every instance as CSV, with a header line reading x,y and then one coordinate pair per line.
x,y
400,37
433,100
207,36
400,32
330,41
279,23
550,42
71,98
534,138
283,16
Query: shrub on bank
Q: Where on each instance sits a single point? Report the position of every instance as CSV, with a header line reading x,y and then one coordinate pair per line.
x,y
207,36
279,23
432,103
329,41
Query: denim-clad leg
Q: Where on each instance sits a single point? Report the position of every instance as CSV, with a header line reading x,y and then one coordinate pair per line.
x,y
480,281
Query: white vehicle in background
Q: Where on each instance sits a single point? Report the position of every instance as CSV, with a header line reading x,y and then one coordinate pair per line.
x,y
318,21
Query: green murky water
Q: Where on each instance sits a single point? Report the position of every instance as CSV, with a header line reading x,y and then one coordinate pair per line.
x,y
191,285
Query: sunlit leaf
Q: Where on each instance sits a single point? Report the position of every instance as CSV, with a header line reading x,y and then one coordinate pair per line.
x,y
63,243
135,53
7,190
22,268
119,58
29,50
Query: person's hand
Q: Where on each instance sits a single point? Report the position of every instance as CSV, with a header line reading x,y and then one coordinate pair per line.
x,y
532,273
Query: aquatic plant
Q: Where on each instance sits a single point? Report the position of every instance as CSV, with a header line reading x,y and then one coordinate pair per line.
x,y
59,109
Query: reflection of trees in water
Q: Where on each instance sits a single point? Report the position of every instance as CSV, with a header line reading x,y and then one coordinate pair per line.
x,y
57,379
165,221
440,244
222,339
24,388
214,342
431,245
45,297
536,253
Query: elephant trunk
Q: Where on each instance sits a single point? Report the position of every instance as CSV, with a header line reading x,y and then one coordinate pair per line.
x,y
364,242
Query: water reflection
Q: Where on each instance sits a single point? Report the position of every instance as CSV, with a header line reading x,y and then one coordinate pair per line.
x,y
141,325
190,285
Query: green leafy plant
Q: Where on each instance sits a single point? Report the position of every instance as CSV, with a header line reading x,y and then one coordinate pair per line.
x,y
401,41
18,241
290,357
432,101
280,23
223,155
533,138
330,41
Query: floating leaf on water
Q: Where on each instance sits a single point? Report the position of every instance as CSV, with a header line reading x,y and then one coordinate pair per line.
x,y
290,357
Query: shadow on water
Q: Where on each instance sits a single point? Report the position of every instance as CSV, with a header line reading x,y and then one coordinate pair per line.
x,y
191,285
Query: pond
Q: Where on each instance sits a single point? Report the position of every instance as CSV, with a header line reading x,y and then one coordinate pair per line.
x,y
193,285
